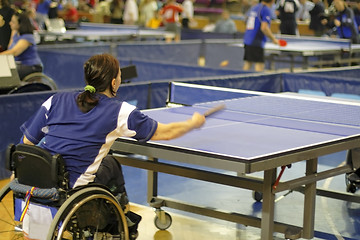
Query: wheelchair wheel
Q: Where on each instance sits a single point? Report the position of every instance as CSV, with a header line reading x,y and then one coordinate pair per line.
x,y
257,196
39,77
90,213
350,186
9,228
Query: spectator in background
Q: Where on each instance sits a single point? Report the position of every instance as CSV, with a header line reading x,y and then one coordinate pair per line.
x,y
286,12
22,45
344,22
102,8
42,12
225,24
71,16
116,11
170,16
6,13
357,14
84,6
148,9
188,13
303,14
131,12
257,31
316,16
53,11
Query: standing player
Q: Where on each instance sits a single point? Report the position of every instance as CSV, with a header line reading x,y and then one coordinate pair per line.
x,y
345,22
257,31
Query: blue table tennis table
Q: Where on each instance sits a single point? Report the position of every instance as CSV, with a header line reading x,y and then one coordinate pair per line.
x,y
311,51
107,32
257,132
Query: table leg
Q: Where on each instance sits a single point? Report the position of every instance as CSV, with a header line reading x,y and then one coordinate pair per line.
x,y
309,201
152,186
305,64
268,205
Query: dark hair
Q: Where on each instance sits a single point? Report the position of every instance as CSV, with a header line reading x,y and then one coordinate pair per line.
x,y
5,3
25,25
99,72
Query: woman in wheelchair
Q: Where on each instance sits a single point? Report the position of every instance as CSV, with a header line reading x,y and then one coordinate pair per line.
x,y
82,126
23,46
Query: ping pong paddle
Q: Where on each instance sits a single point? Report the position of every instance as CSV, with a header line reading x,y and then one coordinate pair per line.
x,y
282,42
214,110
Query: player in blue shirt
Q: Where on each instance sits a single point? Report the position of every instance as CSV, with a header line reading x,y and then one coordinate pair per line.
x,y
346,26
23,46
257,31
82,126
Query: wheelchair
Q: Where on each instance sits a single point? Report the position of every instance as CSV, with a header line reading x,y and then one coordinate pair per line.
x,y
35,82
352,179
86,212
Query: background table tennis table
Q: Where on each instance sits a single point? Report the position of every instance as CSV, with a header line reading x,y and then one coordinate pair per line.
x,y
108,32
258,132
311,51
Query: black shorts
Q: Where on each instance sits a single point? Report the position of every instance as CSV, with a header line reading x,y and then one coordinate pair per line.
x,y
254,54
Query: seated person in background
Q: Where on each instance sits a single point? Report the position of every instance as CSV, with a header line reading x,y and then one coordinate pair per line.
x,y
225,24
82,126
23,46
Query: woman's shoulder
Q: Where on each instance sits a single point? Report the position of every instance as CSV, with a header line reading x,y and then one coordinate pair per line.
x,y
28,37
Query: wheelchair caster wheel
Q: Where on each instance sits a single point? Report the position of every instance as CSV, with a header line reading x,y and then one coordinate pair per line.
x,y
351,188
257,196
162,220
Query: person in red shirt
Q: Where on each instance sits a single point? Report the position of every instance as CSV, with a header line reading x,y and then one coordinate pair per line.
x,y
170,16
71,16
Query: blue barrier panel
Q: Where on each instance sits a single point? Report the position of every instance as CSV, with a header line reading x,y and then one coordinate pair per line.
x,y
187,34
326,84
256,82
135,94
184,53
86,48
14,110
224,55
347,72
154,71
65,68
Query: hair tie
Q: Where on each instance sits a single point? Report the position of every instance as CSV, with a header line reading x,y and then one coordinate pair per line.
x,y
90,88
